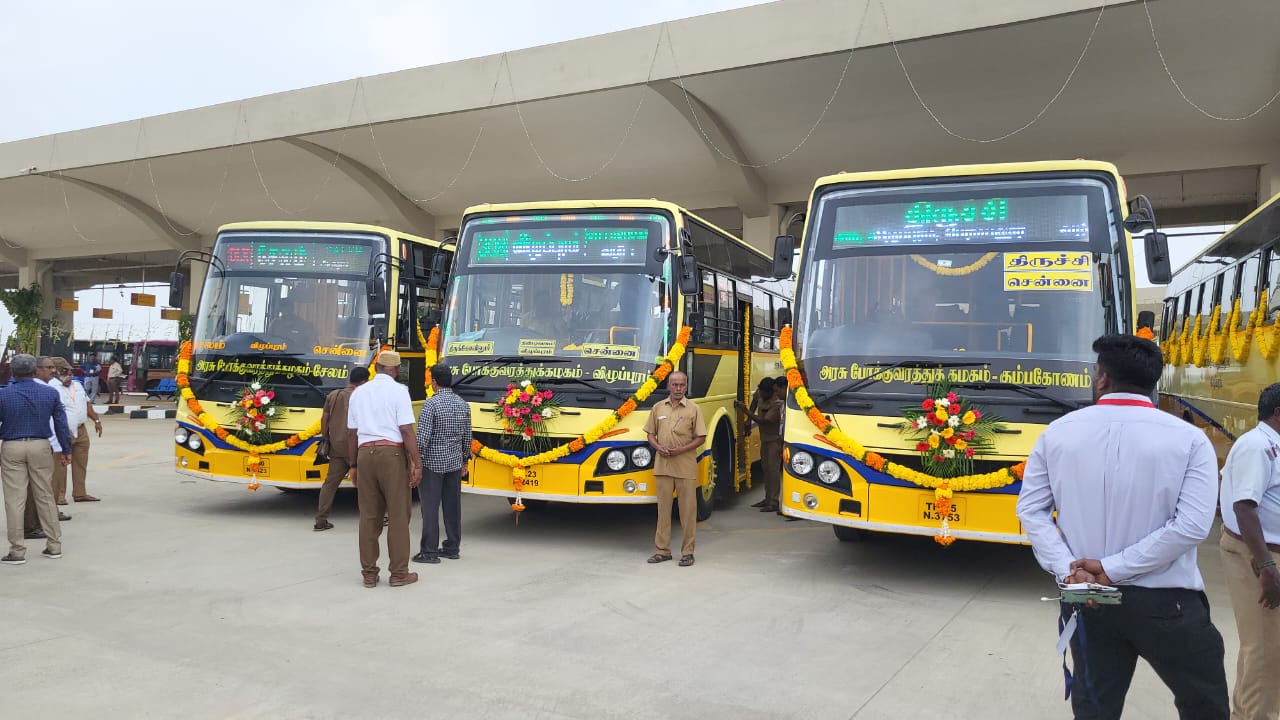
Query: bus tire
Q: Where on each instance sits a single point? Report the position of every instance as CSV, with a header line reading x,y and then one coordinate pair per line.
x,y
848,534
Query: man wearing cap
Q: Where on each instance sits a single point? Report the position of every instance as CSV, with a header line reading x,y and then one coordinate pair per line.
x,y
380,425
79,414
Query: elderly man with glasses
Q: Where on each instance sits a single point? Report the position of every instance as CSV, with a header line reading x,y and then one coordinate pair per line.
x,y
46,371
79,414
26,467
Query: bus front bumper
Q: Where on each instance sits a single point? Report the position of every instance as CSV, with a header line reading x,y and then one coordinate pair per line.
x,y
295,472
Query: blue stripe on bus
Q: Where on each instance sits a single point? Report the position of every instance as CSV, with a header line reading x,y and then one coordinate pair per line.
x,y
875,477
1204,416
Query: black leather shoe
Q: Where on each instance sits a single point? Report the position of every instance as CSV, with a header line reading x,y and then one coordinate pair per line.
x,y
451,556
425,558
34,535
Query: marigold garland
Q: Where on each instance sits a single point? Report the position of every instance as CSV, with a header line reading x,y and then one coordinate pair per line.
x,y
182,378
1205,341
969,269
519,465
963,483
430,354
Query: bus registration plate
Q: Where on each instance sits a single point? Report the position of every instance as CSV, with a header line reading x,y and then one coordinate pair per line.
x,y
262,469
929,511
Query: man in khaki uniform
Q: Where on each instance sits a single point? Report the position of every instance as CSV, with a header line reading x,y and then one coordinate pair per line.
x,y
766,412
676,431
333,428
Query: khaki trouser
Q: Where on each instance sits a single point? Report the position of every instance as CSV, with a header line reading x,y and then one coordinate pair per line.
x,y
382,487
1257,694
79,468
338,468
771,468
688,498
28,464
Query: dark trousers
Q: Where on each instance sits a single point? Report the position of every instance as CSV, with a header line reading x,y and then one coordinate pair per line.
x,y
441,491
1171,630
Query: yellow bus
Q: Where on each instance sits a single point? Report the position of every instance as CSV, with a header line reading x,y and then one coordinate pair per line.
x,y
584,299
293,306
1218,331
981,285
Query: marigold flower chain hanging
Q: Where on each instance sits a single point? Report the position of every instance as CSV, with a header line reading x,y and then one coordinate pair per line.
x,y
1205,341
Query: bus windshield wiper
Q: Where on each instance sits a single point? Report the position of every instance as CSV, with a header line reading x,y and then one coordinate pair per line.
x,y
857,385
593,384
1036,391
512,359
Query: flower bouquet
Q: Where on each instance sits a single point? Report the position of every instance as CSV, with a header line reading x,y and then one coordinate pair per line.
x,y
949,431
525,410
256,405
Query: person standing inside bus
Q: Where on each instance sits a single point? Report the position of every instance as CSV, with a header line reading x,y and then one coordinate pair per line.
x,y
1250,547
333,428
676,430
26,466
115,378
79,414
766,413
380,425
1135,492
444,439
91,367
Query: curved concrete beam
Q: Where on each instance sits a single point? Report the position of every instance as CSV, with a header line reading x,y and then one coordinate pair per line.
x,y
14,256
173,233
393,201
743,182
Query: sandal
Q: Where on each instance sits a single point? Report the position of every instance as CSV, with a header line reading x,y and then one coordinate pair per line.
x,y
686,561
658,557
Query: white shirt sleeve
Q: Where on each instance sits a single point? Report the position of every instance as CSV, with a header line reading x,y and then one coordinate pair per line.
x,y
1035,510
1247,474
404,408
1189,526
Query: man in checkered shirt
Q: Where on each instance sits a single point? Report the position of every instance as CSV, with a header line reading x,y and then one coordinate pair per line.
x,y
444,440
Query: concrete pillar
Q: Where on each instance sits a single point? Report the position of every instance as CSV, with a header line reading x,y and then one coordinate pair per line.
x,y
1268,181
760,231
35,271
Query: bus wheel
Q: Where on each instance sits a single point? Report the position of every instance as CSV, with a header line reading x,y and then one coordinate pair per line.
x,y
848,534
707,493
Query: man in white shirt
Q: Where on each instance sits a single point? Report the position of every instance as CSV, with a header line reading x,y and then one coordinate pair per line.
x,y
76,402
1250,547
1135,492
380,425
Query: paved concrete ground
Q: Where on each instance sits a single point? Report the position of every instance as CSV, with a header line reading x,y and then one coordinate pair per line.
x,y
185,599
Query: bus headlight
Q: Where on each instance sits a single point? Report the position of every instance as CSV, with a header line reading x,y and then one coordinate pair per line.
x,y
193,442
629,486
641,456
615,460
801,462
180,436
828,472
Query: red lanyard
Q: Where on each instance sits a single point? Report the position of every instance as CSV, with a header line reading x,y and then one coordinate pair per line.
x,y
1126,401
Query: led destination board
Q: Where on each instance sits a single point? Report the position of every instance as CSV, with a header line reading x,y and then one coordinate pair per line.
x,y
306,256
562,245
990,219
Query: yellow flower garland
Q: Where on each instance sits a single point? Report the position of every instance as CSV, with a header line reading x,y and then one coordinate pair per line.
x,y
746,393
1204,341
566,289
430,354
519,465
955,272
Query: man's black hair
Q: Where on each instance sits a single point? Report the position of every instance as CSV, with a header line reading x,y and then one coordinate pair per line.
x,y
358,375
442,375
1269,401
1130,361
766,384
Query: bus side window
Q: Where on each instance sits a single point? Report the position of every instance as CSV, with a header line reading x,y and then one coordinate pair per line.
x,y
1249,286
728,336
762,319
708,318
1168,317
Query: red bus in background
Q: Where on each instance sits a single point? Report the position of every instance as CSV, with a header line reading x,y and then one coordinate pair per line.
x,y
145,362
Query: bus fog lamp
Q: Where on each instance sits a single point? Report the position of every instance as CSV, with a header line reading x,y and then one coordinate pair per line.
x,y
641,456
180,436
193,442
811,501
828,472
615,460
801,462
629,486
183,462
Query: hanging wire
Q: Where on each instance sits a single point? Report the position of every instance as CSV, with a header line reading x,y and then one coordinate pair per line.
x,y
1178,86
1006,136
830,100
155,188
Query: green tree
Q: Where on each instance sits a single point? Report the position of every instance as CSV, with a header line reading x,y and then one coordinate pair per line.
x,y
25,305
186,323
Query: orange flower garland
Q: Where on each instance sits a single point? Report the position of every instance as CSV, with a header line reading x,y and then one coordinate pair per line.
x,y
519,465
964,483
182,378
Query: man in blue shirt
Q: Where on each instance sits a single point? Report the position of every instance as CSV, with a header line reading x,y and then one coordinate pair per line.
x,y
26,410
1135,491
91,367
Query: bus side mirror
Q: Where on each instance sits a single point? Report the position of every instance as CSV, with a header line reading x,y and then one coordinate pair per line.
x,y
689,275
1159,271
439,269
784,252
376,296
784,317
177,288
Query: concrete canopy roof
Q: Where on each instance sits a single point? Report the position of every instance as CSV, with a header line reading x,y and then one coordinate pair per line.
x,y
653,111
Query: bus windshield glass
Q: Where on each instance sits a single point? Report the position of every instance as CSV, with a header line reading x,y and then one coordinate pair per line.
x,y
1011,279
573,296
288,305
